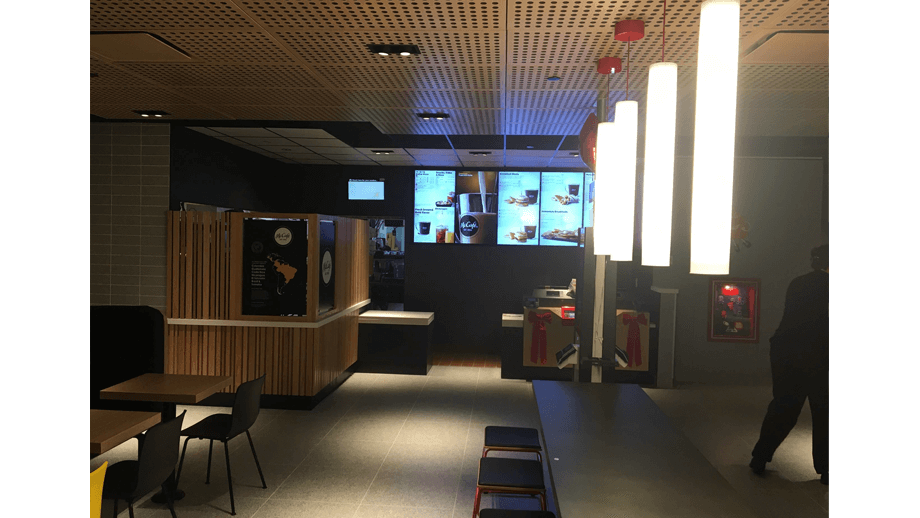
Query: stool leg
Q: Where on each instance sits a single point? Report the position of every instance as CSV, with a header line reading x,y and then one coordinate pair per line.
x,y
476,502
543,501
485,451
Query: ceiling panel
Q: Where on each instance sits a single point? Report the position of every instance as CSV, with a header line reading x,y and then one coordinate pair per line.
x,y
485,63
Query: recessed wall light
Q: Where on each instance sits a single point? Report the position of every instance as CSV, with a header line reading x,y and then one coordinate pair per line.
x,y
386,50
150,113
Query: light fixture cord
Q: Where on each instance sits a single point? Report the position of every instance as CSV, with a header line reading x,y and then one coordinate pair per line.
x,y
664,24
627,68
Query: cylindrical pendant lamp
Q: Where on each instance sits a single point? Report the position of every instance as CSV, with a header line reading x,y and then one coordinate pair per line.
x,y
658,183
714,137
623,199
604,189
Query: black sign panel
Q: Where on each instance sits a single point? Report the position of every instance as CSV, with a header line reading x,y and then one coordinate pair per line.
x,y
274,267
326,266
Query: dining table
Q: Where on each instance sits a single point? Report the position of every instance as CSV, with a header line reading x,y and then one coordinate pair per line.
x,y
170,390
110,428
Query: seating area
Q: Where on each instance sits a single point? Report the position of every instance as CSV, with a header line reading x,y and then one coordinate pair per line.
x,y
386,445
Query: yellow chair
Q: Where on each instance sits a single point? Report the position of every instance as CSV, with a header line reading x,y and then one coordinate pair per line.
x,y
95,490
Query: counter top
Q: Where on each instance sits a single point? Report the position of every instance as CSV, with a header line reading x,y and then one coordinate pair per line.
x,y
396,318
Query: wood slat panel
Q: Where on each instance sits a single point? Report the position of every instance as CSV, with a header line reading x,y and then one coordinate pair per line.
x,y
205,254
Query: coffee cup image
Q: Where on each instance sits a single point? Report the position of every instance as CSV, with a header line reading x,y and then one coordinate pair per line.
x,y
424,227
533,196
573,189
478,228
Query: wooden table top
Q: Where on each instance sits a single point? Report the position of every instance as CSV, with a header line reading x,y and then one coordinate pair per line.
x,y
109,428
186,389
610,449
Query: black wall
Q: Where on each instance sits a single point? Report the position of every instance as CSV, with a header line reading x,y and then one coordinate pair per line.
x,y
467,287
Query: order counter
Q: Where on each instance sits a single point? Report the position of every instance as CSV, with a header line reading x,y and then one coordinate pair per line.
x,y
394,342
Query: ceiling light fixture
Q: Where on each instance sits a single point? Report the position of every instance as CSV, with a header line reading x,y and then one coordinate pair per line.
x,y
150,113
574,153
622,176
480,153
714,137
401,50
604,167
436,116
658,174
382,151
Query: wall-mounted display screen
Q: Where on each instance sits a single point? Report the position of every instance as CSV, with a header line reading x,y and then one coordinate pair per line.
x,y
561,208
518,208
365,189
521,207
435,215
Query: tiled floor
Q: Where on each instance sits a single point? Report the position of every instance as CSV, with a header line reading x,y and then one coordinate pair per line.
x,y
408,446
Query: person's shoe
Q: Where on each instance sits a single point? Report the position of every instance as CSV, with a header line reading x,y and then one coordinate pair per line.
x,y
758,465
824,478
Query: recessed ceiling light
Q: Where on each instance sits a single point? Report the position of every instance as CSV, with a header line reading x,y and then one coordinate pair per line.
x,y
386,50
574,153
150,113
382,151
553,78
529,147
436,116
480,153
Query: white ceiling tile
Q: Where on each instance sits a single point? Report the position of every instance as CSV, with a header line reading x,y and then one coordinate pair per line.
x,y
321,142
416,152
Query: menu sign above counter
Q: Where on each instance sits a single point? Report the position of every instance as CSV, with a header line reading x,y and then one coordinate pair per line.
x,y
435,196
519,208
561,208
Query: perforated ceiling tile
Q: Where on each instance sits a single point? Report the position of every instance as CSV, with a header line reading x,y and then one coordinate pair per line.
x,y
472,48
348,14
784,77
267,96
229,47
292,113
575,77
226,76
303,133
808,14
784,100
418,101
597,14
544,129
418,77
176,112
153,15
528,99
141,97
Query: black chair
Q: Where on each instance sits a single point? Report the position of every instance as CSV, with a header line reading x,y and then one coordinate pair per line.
x,y
223,427
508,513
156,460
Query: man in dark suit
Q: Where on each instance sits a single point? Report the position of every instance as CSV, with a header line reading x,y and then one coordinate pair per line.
x,y
799,364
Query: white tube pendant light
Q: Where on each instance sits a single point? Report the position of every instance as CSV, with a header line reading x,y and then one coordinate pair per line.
x,y
658,175
714,137
623,202
604,189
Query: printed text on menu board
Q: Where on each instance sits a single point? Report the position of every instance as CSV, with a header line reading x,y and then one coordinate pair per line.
x,y
434,206
561,208
518,208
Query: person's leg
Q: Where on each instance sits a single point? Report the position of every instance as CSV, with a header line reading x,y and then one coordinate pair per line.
x,y
819,431
781,417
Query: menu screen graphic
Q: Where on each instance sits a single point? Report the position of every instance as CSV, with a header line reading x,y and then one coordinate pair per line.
x,y
365,190
561,208
435,197
477,198
589,200
518,208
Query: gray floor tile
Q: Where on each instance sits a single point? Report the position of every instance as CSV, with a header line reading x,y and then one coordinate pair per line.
x,y
335,471
394,511
300,508
417,477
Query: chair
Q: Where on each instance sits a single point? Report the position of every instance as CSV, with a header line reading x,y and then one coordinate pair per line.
x,y
223,427
509,438
156,460
511,476
96,479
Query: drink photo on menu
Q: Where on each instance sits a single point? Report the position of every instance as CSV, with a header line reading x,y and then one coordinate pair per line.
x,y
518,208
561,208
477,194
434,206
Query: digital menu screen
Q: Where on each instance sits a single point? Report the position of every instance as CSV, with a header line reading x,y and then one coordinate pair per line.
x,y
477,205
365,189
561,208
435,220
518,208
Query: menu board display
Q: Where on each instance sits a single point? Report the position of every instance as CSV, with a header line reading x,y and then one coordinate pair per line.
x,y
435,220
561,208
518,208
477,217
